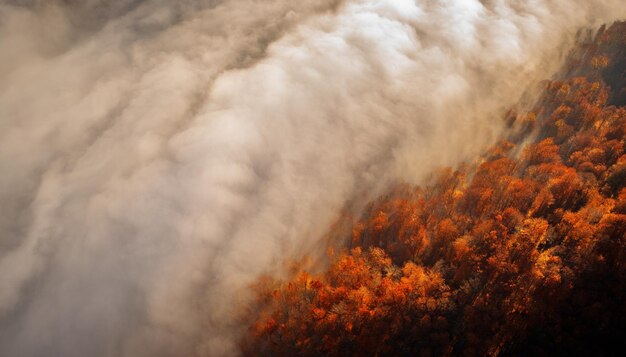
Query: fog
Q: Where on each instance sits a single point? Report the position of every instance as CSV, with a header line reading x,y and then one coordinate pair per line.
x,y
156,156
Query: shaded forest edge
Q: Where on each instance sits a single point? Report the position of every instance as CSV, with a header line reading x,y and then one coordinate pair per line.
x,y
521,253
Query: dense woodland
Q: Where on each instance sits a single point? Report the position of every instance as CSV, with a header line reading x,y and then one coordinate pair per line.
x,y
521,253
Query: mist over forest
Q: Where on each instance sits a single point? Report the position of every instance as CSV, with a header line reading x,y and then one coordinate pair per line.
x,y
325,177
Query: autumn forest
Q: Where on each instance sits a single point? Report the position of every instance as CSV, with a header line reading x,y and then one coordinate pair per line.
x,y
519,253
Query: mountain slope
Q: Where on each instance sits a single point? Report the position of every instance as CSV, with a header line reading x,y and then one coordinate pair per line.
x,y
520,253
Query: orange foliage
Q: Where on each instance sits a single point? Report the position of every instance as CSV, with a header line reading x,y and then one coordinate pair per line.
x,y
527,257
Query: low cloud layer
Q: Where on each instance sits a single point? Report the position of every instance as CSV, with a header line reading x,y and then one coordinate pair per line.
x,y
157,156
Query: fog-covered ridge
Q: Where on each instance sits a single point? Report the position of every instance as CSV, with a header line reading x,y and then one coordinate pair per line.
x,y
156,156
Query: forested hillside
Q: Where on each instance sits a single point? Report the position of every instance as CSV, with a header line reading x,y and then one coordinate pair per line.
x,y
522,252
